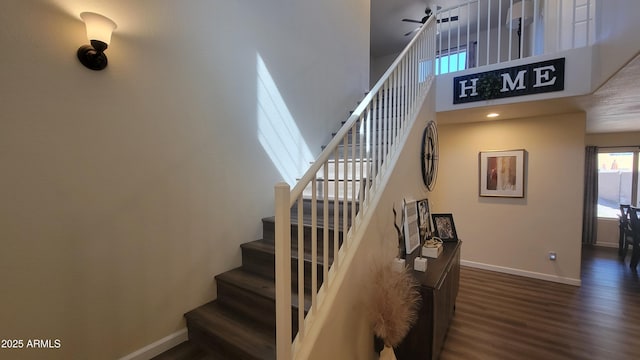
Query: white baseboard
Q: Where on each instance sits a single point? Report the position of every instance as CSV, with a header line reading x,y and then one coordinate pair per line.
x,y
607,244
158,347
530,274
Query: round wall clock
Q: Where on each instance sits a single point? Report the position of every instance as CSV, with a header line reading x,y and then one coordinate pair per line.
x,y
430,155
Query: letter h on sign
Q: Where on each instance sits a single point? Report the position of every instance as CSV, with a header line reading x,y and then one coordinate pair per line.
x,y
472,87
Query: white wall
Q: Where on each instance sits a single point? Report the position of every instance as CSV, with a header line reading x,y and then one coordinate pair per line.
x,y
568,27
123,192
511,234
378,67
608,232
618,42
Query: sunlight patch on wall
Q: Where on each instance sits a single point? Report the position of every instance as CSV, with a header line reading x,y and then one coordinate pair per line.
x,y
277,130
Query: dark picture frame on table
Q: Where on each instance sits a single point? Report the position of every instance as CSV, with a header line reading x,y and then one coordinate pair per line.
x,y
424,218
502,173
444,227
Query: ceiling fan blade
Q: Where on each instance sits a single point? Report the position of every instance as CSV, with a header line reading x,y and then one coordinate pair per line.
x,y
412,21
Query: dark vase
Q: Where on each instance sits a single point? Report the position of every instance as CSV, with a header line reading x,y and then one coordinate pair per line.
x,y
378,344
401,248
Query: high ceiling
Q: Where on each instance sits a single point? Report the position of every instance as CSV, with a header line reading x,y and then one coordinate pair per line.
x,y
614,107
388,30
387,27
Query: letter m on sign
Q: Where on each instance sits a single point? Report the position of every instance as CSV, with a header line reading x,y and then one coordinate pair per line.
x,y
509,85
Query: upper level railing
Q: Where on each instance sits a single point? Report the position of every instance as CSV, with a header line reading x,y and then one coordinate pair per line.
x,y
337,193
485,32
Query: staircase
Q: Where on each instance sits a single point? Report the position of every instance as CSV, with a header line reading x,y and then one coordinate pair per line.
x,y
241,322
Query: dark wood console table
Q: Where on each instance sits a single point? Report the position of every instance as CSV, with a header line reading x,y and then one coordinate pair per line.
x,y
439,289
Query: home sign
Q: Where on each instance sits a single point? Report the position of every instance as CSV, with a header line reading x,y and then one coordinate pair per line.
x,y
536,78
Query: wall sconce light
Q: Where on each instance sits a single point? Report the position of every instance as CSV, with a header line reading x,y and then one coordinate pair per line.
x,y
99,29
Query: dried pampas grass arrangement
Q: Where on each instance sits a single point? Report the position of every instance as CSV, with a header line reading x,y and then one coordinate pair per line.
x,y
395,301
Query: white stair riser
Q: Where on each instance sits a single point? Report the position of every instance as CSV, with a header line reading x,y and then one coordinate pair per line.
x,y
331,194
336,170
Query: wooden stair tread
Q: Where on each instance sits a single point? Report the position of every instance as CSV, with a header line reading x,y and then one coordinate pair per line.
x,y
241,333
259,285
306,221
268,247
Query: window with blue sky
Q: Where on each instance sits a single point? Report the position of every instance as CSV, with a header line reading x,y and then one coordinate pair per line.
x,y
452,62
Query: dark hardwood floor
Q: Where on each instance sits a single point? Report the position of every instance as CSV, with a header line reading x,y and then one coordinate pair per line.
x,y
501,316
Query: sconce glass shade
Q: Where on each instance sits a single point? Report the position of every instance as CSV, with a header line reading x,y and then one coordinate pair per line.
x,y
99,29
515,13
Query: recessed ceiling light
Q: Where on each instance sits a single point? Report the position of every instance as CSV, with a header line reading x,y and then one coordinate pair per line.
x,y
492,115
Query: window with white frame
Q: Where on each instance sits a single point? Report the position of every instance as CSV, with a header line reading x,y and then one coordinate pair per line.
x,y
451,61
617,180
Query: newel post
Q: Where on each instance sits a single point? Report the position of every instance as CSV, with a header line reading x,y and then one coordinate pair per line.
x,y
283,271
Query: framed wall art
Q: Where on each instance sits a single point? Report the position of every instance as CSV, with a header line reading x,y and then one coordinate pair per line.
x,y
444,228
502,173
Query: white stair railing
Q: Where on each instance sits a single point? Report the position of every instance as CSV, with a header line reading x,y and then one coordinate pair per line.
x,y
488,32
342,182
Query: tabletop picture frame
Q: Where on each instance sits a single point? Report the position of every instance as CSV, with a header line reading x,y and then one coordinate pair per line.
x,y
501,173
411,226
444,227
424,218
